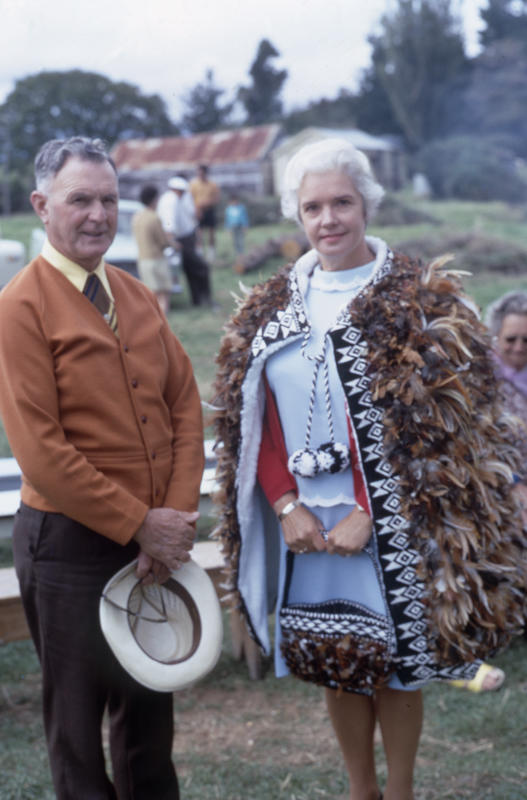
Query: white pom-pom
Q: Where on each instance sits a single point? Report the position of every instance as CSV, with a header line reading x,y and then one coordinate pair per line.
x,y
303,463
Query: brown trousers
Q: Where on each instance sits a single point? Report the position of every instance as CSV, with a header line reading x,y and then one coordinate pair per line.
x,y
62,567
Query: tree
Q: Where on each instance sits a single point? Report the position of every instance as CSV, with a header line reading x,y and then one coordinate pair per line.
x,y
472,168
51,105
495,99
373,110
416,56
262,98
338,112
504,19
204,112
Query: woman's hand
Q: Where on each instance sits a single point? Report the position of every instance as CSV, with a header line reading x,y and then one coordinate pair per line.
x,y
300,527
351,534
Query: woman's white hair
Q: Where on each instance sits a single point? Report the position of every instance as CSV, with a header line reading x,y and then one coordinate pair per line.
x,y
514,302
325,156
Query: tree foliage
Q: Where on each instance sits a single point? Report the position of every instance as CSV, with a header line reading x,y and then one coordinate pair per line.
x,y
261,99
472,168
373,110
495,100
337,112
416,55
203,109
504,19
51,105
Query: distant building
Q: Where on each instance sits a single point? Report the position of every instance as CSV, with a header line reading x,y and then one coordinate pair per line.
x,y
238,160
384,153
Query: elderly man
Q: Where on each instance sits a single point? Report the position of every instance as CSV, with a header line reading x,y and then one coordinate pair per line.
x,y
102,413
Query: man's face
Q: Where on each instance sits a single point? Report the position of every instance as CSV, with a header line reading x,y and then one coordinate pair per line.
x,y
79,210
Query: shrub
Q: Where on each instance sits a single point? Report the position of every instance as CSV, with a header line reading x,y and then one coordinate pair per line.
x,y
469,168
262,210
472,252
393,211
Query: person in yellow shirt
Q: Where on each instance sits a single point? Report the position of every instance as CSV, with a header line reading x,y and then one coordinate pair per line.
x,y
152,241
206,195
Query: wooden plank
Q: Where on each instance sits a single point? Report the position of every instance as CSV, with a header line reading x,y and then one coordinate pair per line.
x,y
13,625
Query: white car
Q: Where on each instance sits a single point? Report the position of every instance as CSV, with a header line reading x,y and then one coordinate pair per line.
x,y
12,259
123,249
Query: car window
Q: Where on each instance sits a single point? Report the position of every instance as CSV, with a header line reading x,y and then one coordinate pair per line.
x,y
124,222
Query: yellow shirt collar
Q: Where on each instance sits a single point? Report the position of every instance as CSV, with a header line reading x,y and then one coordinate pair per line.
x,y
73,272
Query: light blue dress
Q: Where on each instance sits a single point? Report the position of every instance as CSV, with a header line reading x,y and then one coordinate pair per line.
x,y
320,576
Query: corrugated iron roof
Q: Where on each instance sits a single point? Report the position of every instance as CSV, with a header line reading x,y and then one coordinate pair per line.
x,y
360,139
180,152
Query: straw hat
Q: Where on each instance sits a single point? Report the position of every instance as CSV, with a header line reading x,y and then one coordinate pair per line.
x,y
166,636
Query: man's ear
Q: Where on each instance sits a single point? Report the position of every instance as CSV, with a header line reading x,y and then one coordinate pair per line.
x,y
39,201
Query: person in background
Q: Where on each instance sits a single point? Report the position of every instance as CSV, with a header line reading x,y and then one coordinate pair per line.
x,y
506,319
237,221
178,218
103,415
152,241
206,194
354,499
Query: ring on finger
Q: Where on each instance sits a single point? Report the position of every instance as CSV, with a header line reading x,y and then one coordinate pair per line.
x,y
324,534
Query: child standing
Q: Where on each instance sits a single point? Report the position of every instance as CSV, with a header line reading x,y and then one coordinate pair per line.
x,y
237,221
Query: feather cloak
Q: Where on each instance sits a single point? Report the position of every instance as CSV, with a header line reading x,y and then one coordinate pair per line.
x,y
437,452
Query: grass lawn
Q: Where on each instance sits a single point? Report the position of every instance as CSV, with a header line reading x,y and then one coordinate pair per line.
x,y
271,740
238,739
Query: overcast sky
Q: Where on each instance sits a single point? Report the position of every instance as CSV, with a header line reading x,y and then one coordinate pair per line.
x,y
165,46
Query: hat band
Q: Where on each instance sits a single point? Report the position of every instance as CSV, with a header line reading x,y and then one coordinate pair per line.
x,y
135,617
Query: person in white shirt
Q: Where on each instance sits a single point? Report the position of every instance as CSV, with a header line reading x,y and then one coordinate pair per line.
x,y
178,217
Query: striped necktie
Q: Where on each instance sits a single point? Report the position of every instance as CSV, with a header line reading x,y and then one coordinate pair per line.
x,y
97,294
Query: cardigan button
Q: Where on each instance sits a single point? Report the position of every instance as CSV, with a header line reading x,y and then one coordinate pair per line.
x,y
143,419
135,383
126,348
154,455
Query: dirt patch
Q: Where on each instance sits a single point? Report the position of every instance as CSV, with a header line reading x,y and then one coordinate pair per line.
x,y
244,721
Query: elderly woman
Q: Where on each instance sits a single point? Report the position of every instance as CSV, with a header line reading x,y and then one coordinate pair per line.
x,y
506,319
366,472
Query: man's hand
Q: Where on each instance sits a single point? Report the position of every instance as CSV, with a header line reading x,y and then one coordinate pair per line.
x,y
149,570
167,535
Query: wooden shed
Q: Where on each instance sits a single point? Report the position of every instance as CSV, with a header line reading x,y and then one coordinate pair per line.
x,y
385,154
238,160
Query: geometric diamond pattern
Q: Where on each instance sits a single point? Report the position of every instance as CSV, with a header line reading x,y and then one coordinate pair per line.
x,y
398,560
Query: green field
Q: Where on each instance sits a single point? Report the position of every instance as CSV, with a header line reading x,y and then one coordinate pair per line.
x,y
270,740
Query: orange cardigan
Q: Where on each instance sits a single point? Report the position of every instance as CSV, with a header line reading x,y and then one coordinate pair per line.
x,y
103,428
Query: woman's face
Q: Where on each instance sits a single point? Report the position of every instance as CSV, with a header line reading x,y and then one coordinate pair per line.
x,y
512,341
332,213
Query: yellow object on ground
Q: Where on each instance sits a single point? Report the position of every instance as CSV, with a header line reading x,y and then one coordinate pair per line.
x,y
476,684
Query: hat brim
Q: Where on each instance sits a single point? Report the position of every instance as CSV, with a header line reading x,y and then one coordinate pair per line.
x,y
204,627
